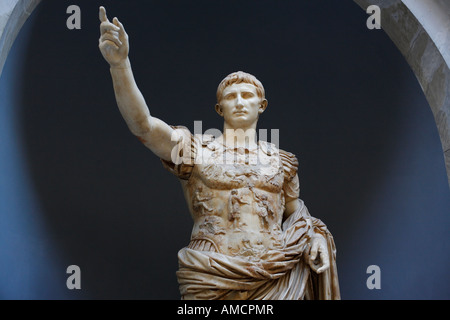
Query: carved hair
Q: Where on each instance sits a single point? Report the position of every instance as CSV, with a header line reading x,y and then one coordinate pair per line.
x,y
240,77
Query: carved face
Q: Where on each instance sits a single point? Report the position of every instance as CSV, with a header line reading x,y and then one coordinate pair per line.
x,y
240,105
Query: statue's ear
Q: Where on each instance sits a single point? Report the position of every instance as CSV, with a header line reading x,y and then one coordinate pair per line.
x,y
263,106
219,110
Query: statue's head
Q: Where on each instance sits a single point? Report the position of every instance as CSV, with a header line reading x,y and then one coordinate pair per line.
x,y
240,99
240,77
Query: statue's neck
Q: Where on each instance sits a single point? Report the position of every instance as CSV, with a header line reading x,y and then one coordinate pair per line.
x,y
240,137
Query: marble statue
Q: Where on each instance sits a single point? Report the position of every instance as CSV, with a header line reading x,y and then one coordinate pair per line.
x,y
253,238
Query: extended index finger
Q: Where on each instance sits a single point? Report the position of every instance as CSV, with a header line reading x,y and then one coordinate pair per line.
x,y
102,14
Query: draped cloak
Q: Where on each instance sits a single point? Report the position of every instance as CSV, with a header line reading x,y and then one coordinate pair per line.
x,y
281,274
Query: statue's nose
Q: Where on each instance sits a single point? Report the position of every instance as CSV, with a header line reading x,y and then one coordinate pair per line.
x,y
239,102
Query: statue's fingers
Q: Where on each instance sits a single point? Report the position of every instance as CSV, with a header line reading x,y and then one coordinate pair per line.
x,y
114,33
102,14
323,268
123,35
107,45
314,267
109,37
325,262
107,26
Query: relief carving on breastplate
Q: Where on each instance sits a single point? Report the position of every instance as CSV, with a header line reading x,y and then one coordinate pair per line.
x,y
211,227
249,249
200,201
217,174
263,208
235,202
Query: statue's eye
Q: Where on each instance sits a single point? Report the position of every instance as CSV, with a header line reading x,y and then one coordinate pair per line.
x,y
230,96
247,95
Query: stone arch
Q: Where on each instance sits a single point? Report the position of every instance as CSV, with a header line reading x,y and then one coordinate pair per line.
x,y
420,30
13,14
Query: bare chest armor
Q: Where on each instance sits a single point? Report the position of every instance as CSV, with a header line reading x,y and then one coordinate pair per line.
x,y
222,168
236,195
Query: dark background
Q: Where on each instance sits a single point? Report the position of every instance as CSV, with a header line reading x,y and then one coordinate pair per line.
x,y
78,188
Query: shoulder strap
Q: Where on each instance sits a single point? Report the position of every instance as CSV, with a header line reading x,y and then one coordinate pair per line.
x,y
184,169
290,164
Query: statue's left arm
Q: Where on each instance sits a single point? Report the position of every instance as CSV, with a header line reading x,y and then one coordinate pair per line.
x,y
317,256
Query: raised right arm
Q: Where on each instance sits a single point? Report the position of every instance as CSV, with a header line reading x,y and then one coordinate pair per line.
x,y
158,136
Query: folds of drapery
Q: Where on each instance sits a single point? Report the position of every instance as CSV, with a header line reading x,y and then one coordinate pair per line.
x,y
280,274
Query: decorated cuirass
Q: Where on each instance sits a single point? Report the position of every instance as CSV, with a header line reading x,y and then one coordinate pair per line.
x,y
236,196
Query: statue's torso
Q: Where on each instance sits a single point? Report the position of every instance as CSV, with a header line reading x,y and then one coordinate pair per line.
x,y
236,199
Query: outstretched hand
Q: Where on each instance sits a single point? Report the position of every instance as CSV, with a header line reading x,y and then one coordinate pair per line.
x,y
113,42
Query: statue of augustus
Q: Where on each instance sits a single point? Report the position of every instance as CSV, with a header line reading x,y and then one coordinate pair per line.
x,y
253,238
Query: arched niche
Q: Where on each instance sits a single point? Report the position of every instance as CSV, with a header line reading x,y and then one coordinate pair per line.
x,y
419,29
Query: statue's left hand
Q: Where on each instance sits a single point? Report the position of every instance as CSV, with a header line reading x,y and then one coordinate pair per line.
x,y
318,257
